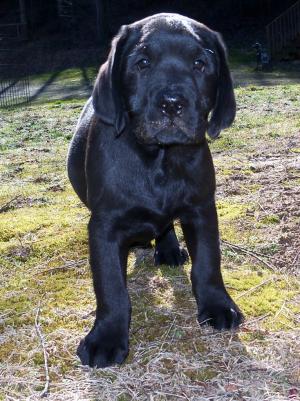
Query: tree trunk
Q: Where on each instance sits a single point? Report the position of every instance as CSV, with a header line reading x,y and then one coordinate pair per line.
x,y
101,21
23,19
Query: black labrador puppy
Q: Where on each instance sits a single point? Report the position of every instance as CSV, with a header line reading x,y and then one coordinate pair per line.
x,y
139,159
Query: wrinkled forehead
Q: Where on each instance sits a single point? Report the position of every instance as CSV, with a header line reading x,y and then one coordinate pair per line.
x,y
170,33
173,25
169,42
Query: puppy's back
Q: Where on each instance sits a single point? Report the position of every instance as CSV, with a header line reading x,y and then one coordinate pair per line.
x,y
77,151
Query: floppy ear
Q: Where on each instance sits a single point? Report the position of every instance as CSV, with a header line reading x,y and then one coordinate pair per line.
x,y
107,97
224,109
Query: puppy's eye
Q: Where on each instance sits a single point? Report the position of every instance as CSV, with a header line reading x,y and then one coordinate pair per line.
x,y
199,65
143,63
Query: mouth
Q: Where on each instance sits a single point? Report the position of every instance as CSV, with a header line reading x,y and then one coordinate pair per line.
x,y
168,132
172,135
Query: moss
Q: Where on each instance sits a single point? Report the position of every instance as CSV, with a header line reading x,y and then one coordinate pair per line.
x,y
247,171
270,249
7,349
249,188
201,375
153,325
19,306
254,187
230,211
227,172
124,397
274,134
185,343
291,183
18,350
169,271
227,141
270,219
264,295
255,335
229,233
55,226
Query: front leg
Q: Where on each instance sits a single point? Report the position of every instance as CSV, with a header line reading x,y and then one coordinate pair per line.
x,y
107,342
215,306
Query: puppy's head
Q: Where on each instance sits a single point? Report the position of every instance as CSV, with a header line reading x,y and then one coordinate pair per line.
x,y
167,77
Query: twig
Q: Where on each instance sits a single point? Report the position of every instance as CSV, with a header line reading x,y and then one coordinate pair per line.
x,y
279,310
295,259
6,205
245,249
66,266
166,335
171,394
45,391
248,252
258,319
252,289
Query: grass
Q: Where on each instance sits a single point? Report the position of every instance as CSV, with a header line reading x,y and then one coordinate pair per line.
x,y
68,75
44,261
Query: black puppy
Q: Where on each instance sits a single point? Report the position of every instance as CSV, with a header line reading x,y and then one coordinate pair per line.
x,y
139,159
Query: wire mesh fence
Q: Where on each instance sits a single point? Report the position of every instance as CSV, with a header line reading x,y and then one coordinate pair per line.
x,y
14,85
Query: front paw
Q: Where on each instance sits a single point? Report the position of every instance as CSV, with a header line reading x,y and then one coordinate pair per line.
x,y
170,256
103,346
219,311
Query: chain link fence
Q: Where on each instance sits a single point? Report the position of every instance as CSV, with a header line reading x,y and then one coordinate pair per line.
x,y
14,85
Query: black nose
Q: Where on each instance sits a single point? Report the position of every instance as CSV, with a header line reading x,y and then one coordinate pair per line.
x,y
171,104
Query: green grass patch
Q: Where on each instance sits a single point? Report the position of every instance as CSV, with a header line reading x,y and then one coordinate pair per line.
x,y
270,219
229,211
264,294
70,75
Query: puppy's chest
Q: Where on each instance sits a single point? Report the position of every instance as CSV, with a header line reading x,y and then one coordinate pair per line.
x,y
165,190
170,187
163,183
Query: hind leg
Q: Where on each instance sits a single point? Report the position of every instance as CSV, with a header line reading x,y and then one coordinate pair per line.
x,y
167,249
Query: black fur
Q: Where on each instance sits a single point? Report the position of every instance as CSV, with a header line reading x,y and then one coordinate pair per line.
x,y
139,159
